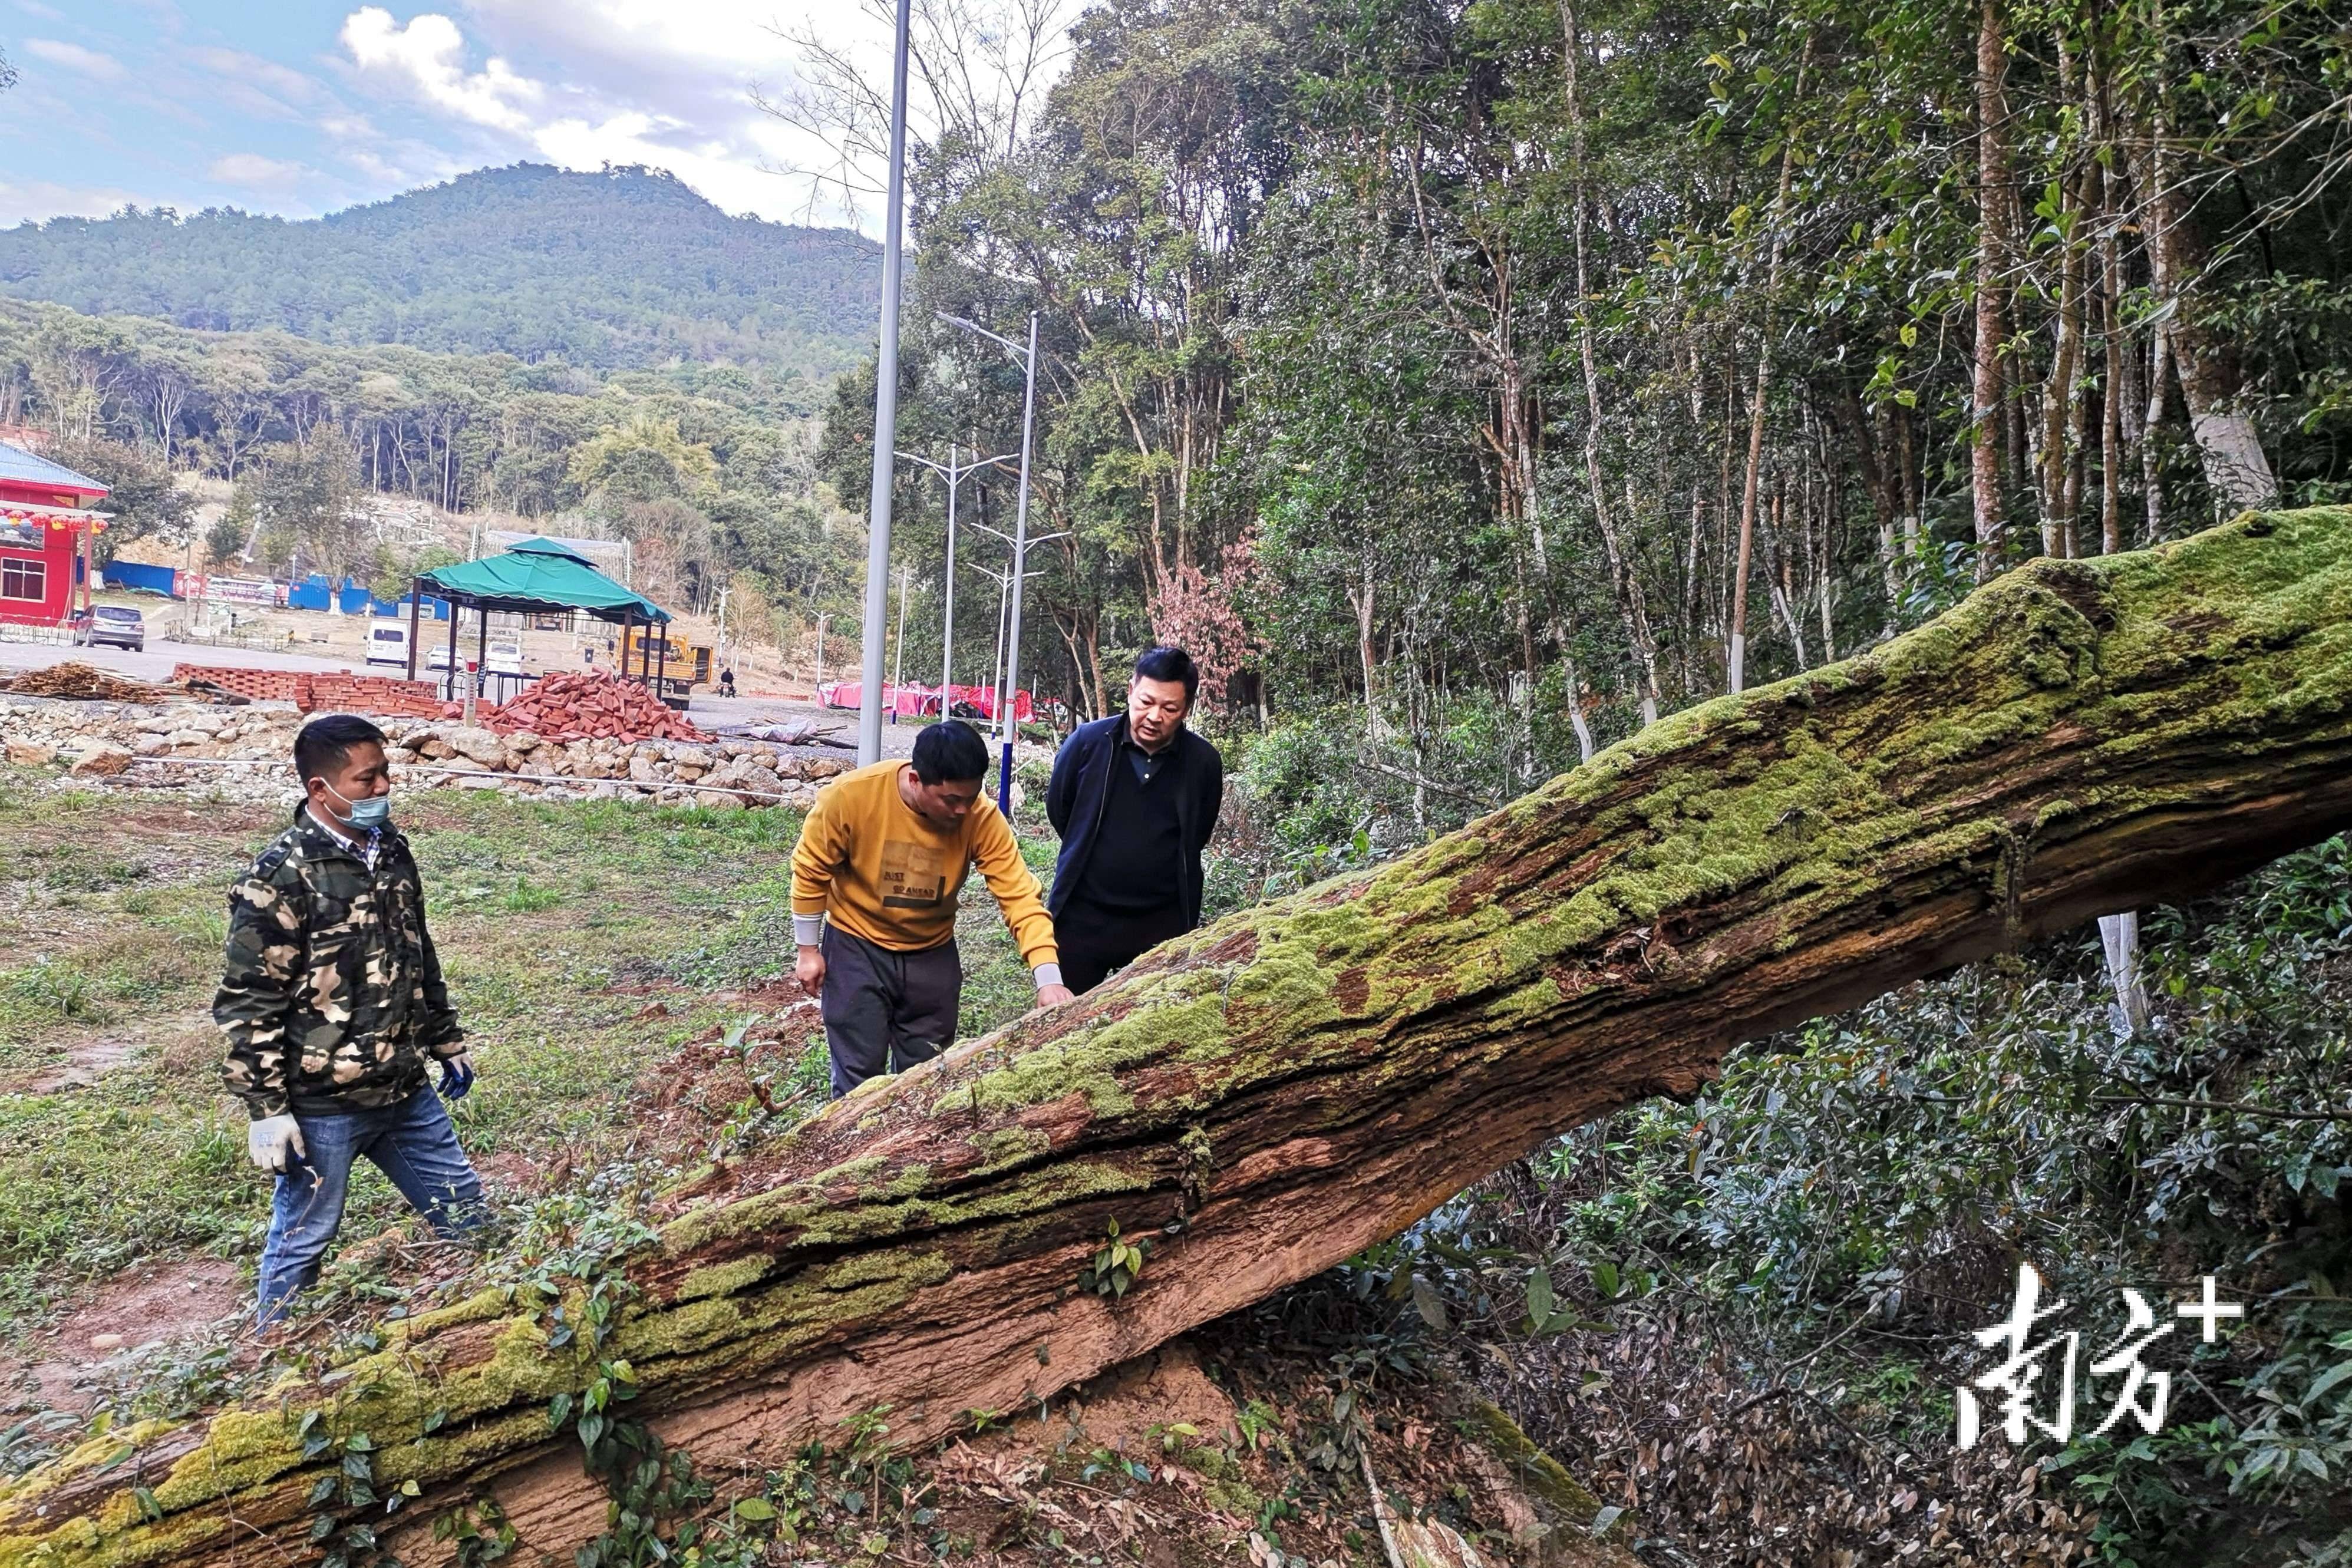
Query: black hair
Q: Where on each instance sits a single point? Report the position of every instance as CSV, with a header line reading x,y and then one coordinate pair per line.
x,y
1170,665
324,743
951,750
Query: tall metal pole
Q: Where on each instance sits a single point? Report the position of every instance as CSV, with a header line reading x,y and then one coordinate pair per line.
x,y
947,616
996,670
1020,569
886,418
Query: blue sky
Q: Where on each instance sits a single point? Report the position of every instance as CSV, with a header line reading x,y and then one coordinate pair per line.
x,y
295,108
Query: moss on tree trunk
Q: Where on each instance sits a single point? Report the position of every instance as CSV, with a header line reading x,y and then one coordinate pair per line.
x,y
1269,1095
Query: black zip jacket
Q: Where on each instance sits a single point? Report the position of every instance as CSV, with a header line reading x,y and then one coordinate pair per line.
x,y
1081,785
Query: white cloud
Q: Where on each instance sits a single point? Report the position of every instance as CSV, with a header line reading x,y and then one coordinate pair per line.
x,y
74,58
253,172
41,199
669,83
608,81
425,59
262,81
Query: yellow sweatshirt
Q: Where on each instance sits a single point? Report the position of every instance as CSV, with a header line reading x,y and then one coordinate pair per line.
x,y
873,867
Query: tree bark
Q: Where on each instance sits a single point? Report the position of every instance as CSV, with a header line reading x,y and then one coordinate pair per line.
x,y
2152,454
1994,196
2204,356
1736,655
1267,1096
1625,575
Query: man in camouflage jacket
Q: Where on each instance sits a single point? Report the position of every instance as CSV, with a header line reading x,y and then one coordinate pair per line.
x,y
333,1003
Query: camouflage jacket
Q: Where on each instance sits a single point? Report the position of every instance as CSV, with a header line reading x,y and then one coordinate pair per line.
x,y
331,997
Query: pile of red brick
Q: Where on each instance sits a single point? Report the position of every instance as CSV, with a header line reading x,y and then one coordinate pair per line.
x,y
382,695
259,685
583,704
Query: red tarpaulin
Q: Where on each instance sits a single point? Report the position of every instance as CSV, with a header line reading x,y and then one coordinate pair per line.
x,y
910,701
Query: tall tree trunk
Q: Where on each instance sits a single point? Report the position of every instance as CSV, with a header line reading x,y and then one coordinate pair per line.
x,y
2111,385
1267,1096
1738,649
1360,600
1994,194
1776,581
2151,454
1624,576
2203,356
2061,394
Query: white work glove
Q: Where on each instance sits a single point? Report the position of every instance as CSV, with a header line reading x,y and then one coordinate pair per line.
x,y
276,1143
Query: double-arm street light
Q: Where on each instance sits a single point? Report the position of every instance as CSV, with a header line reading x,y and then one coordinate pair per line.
x,y
1028,358
1007,697
885,412
953,472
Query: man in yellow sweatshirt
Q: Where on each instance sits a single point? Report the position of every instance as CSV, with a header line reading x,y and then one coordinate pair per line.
x,y
874,879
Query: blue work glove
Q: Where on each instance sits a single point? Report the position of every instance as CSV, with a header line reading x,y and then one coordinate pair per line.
x,y
457,1076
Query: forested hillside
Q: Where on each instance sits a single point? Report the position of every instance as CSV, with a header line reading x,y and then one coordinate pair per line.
x,y
627,268
709,469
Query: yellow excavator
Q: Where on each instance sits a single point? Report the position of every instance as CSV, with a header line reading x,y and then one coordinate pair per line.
x,y
671,666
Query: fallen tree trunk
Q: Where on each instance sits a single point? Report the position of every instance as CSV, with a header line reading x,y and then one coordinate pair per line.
x,y
1271,1094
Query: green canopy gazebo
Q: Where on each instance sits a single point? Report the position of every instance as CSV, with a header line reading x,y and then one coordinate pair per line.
x,y
538,576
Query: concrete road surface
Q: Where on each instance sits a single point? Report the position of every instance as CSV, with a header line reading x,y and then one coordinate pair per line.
x,y
156,663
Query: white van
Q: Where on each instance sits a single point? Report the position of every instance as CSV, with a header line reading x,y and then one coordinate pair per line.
x,y
503,656
388,643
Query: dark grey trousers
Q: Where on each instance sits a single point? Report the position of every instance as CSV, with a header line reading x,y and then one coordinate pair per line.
x,y
885,1011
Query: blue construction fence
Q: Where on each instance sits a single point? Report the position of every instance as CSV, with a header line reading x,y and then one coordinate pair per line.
x,y
312,593
138,579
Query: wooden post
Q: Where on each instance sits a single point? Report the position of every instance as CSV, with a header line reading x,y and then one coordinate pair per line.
x,y
481,660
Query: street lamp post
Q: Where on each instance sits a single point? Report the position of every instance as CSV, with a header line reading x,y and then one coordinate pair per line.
x,y
886,415
1020,542
953,472
996,675
1006,727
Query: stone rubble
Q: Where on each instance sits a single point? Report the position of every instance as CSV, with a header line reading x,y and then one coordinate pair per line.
x,y
129,742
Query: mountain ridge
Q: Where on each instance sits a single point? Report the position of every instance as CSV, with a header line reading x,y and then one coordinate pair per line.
x,y
624,268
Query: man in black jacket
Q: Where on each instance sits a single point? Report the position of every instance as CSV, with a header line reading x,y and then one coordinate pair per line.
x,y
1135,798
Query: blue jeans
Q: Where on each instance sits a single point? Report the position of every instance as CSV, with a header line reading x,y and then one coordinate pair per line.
x,y
412,1142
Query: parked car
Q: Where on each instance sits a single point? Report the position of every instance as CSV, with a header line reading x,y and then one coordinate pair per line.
x,y
114,625
503,657
437,656
388,645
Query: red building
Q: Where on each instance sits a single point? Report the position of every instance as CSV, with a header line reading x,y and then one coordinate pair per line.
x,y
46,531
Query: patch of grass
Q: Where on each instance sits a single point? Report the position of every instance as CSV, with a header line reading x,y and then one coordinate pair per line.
x,y
576,898
93,1180
525,897
46,991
